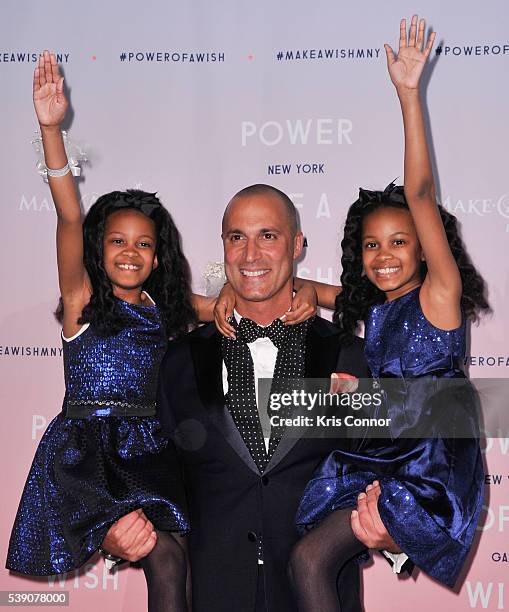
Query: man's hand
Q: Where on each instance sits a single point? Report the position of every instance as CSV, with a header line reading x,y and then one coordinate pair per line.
x,y
340,382
367,524
132,537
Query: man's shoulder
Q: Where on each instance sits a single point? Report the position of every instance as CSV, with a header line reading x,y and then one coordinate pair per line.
x,y
202,332
323,327
180,346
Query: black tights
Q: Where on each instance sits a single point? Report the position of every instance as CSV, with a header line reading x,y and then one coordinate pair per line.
x,y
318,558
166,572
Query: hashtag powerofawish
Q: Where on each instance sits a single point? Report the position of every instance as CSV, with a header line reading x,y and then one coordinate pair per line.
x,y
185,57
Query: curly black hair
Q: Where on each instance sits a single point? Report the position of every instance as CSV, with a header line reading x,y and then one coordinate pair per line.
x,y
359,294
169,284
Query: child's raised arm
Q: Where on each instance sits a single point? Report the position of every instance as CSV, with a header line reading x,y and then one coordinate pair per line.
x,y
441,290
50,106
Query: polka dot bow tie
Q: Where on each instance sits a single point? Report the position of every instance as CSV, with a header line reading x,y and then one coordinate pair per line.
x,y
251,331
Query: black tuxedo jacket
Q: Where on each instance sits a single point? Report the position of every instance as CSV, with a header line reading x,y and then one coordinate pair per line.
x,y
230,502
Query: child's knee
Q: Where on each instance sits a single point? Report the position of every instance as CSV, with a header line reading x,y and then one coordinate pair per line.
x,y
302,561
167,561
174,553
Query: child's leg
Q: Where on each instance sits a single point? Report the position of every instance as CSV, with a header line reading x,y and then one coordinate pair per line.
x,y
165,570
317,559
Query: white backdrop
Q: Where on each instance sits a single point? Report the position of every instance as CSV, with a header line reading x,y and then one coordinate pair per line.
x,y
199,99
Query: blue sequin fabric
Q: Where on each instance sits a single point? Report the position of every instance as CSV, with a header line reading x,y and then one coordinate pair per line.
x,y
104,455
432,488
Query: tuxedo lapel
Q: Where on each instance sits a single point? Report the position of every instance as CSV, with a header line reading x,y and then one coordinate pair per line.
x,y
322,349
208,362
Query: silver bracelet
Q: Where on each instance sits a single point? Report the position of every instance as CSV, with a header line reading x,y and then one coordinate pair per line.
x,y
74,154
58,172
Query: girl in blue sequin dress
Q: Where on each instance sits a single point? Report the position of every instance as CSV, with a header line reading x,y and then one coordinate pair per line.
x,y
406,274
104,455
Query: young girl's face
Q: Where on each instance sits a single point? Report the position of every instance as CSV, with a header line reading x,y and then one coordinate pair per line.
x,y
129,249
391,253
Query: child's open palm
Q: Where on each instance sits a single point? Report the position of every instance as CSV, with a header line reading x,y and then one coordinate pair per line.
x,y
48,90
405,70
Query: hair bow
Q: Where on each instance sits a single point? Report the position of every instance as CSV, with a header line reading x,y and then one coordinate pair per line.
x,y
147,208
392,193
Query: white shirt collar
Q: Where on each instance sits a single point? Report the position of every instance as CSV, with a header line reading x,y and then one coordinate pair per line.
x,y
238,318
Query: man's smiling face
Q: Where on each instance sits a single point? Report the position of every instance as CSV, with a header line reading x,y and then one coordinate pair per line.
x,y
260,245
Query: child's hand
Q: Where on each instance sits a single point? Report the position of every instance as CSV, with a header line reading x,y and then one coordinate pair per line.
x,y
48,90
223,310
304,305
406,69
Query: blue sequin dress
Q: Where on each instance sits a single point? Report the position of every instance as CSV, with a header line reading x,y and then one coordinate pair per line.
x,y
104,455
432,488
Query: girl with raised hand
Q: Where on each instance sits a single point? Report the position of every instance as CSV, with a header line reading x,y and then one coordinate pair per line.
x,y
125,290
406,274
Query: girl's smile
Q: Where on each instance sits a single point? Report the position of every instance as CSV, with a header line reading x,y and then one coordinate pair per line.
x,y
129,252
391,253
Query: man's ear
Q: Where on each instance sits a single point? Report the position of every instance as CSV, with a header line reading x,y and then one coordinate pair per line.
x,y
298,243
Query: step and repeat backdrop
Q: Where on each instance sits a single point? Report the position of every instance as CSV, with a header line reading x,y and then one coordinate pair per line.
x,y
196,100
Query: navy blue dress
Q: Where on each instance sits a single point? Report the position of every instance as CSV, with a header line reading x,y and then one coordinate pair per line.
x,y
432,488
104,455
